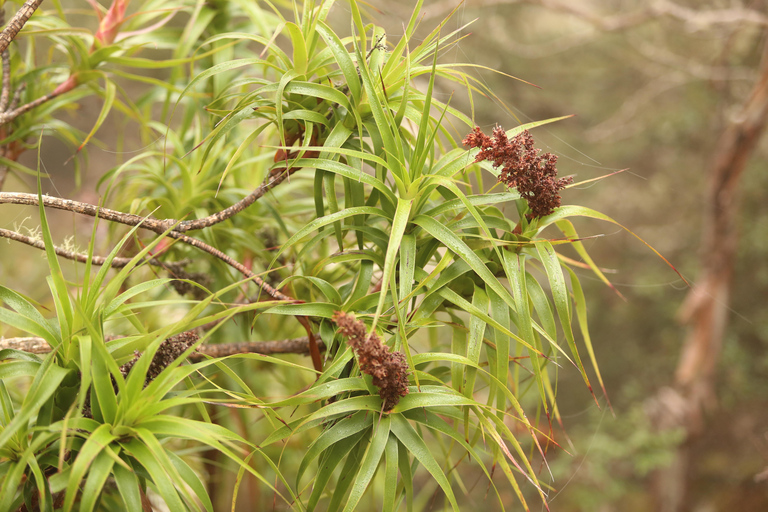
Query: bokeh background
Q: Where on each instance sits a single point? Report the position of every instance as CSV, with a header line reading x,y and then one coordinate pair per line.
x,y
654,88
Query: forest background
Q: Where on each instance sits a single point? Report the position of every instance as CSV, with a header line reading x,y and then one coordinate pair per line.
x,y
654,91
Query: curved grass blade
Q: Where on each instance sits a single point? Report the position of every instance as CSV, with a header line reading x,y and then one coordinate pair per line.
x,y
567,228
416,446
581,211
399,224
581,314
391,455
561,298
99,472
370,463
344,429
47,379
515,264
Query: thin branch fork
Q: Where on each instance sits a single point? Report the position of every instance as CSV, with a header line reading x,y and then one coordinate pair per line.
x,y
13,113
121,262
157,226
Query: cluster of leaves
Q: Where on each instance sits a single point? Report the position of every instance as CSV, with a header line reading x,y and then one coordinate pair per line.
x,y
384,216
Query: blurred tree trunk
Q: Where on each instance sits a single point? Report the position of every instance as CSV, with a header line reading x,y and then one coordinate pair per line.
x,y
705,310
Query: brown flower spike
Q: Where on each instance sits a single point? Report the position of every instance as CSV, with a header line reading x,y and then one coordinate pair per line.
x,y
388,369
168,351
534,175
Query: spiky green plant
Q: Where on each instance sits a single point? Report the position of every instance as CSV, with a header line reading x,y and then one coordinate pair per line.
x,y
444,310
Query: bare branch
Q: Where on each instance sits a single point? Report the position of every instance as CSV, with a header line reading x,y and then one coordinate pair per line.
x,y
616,22
117,262
537,50
135,220
700,18
34,345
17,22
566,41
7,117
610,23
85,209
16,99
289,346
5,95
30,345
271,182
156,225
668,59
694,18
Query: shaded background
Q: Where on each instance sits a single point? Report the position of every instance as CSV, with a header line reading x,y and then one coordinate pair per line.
x,y
653,90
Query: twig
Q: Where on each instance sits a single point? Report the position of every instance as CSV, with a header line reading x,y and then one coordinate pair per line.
x,y
17,22
34,345
117,261
5,95
7,117
708,17
31,345
16,99
3,168
191,225
667,59
8,114
84,209
156,225
621,125
288,346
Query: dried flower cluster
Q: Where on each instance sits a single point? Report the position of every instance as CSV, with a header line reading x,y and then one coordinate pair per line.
x,y
534,175
168,351
185,287
388,369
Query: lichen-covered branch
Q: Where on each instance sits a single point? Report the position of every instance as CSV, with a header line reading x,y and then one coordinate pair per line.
x,y
159,227
5,95
117,261
130,219
17,23
34,345
13,113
